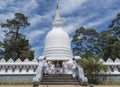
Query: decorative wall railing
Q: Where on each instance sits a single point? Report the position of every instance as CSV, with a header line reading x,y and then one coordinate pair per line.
x,y
113,67
29,67
18,67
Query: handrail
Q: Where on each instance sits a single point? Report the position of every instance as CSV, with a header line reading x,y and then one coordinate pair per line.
x,y
83,80
39,74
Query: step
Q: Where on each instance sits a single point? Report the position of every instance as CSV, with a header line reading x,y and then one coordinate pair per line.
x,y
56,75
60,83
59,79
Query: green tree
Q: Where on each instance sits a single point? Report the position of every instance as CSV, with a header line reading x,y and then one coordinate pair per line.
x,y
115,32
1,50
90,43
116,50
106,44
115,26
92,68
85,42
15,45
109,40
13,26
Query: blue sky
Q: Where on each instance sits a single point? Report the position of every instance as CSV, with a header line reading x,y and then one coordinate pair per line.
x,y
95,14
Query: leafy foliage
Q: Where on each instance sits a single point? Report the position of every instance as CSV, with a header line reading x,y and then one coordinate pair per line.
x,y
115,26
85,42
14,25
90,72
15,45
105,44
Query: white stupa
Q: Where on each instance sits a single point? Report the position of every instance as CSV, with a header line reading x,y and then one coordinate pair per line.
x,y
57,51
57,42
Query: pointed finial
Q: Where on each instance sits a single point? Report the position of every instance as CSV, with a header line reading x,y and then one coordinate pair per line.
x,y
57,21
57,6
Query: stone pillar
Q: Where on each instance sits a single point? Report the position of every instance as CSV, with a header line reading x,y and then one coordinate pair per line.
x,y
13,68
115,69
108,69
17,69
6,68
2,69
27,68
10,69
24,69
31,69
118,67
34,68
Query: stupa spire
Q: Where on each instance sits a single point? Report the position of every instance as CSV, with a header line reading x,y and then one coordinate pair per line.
x,y
57,42
57,21
57,6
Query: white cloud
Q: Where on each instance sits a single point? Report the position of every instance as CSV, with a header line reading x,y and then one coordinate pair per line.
x,y
4,3
77,22
89,14
68,6
33,35
69,28
24,6
97,22
92,18
1,34
72,23
30,5
35,19
5,16
37,51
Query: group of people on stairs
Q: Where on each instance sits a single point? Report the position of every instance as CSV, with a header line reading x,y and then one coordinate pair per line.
x,y
48,68
69,67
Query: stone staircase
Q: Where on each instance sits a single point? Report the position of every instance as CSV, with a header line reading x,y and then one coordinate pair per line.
x,y
59,79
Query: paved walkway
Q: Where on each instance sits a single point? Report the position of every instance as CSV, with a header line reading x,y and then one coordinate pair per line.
x,y
78,86
58,86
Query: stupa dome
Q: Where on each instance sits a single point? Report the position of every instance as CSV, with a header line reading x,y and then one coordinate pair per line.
x,y
57,41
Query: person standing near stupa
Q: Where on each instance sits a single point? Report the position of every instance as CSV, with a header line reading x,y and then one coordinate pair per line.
x,y
45,66
74,68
